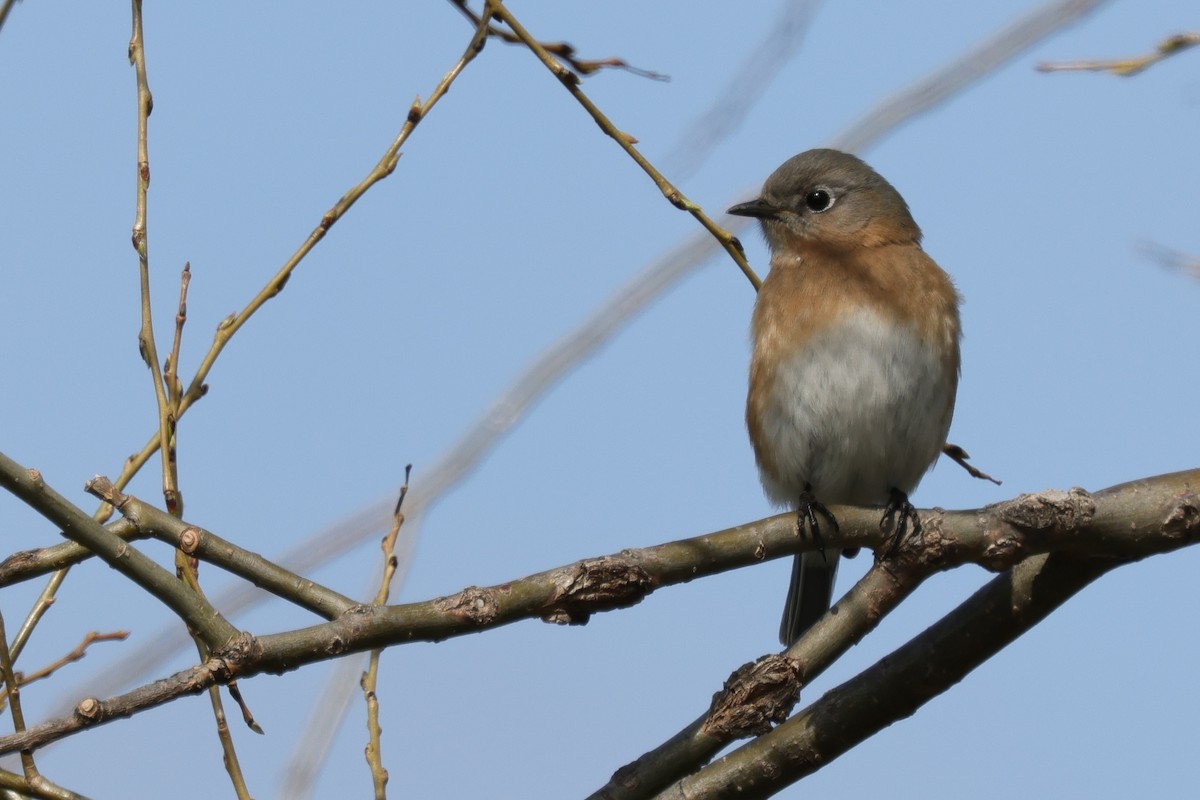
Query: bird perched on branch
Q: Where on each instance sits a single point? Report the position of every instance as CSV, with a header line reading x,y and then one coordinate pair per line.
x,y
856,358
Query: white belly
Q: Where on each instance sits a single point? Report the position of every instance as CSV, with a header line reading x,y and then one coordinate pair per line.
x,y
863,408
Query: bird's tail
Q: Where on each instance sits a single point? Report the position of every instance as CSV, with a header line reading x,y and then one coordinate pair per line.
x,y
810,593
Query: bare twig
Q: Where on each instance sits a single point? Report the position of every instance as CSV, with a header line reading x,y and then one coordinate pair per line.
x,y
146,346
233,765
960,457
169,408
1127,67
24,679
370,678
13,688
563,50
171,371
675,197
197,387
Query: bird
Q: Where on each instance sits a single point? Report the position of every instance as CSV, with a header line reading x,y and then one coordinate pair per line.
x,y
855,364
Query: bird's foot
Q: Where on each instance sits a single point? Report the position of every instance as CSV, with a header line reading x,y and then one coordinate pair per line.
x,y
807,511
901,519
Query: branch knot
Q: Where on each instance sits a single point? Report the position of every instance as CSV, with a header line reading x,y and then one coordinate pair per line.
x,y
755,697
595,584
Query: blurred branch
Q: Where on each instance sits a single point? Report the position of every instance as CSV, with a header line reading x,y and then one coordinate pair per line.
x,y
563,50
4,9
977,63
747,86
1124,523
1170,259
1127,67
317,734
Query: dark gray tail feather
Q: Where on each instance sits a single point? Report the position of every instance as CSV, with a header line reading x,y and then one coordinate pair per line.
x,y
809,595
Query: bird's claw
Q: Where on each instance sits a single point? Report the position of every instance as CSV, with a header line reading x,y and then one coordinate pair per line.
x,y
807,511
901,518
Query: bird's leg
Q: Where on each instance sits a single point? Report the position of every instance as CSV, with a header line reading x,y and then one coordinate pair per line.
x,y
806,514
901,518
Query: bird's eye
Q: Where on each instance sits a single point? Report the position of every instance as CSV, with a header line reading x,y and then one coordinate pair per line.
x,y
818,200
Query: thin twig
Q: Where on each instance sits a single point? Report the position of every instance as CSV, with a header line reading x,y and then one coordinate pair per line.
x,y
24,679
146,346
747,84
960,457
14,703
370,678
171,372
563,50
168,409
675,197
197,387
229,326
1127,67
233,765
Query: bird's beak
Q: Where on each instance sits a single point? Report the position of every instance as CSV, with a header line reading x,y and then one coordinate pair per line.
x,y
758,208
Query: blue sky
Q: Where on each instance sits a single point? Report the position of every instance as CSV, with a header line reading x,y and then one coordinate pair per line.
x,y
509,219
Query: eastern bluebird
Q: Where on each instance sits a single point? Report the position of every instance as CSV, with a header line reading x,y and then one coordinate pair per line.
x,y
856,357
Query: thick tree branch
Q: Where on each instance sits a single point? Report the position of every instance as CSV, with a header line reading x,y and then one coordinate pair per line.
x,y
900,683
199,543
1121,524
193,609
